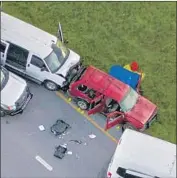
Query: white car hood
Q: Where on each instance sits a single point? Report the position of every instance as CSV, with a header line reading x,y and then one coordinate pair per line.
x,y
72,60
13,90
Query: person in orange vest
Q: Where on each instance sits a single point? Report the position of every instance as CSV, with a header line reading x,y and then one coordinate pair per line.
x,y
134,67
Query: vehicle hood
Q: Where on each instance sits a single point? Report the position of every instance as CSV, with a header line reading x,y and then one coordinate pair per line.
x,y
71,61
13,90
143,110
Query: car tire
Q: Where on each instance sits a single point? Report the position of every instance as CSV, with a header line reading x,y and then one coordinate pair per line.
x,y
3,113
50,85
127,125
82,104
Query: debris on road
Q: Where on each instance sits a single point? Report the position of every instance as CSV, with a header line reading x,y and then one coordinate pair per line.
x,y
92,136
60,137
64,145
41,128
69,152
59,128
76,141
69,99
67,133
118,127
60,151
7,122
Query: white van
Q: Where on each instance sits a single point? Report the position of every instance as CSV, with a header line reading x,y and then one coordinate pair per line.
x,y
142,156
15,93
36,54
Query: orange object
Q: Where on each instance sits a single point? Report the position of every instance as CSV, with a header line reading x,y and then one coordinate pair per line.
x,y
134,66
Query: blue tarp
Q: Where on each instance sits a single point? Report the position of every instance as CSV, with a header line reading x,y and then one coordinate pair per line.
x,y
124,75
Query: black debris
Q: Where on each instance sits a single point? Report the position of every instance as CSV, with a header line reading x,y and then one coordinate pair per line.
x,y
59,127
60,151
76,141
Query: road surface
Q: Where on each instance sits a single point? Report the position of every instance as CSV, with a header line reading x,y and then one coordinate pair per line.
x,y
28,152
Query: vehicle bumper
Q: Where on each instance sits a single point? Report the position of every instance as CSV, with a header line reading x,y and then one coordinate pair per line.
x,y
20,110
72,76
151,121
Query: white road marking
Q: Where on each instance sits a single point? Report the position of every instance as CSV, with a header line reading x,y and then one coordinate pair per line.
x,y
44,163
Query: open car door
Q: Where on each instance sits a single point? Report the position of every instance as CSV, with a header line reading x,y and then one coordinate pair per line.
x,y
97,105
3,49
114,119
60,33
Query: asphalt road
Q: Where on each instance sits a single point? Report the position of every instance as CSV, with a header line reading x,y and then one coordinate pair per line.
x,y
22,141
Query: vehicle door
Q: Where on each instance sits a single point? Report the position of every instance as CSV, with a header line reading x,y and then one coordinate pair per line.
x,y
60,33
3,49
36,69
16,59
113,119
97,105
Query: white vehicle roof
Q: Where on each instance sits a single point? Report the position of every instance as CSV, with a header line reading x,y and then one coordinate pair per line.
x,y
146,154
26,35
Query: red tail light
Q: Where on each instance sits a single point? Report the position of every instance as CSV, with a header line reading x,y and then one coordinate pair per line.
x,y
109,175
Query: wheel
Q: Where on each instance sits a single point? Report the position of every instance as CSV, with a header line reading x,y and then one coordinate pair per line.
x,y
82,104
2,113
128,126
50,85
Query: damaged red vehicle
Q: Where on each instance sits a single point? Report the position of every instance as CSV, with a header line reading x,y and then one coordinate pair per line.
x,y
98,92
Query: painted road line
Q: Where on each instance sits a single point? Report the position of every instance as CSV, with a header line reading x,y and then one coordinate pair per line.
x,y
87,117
44,163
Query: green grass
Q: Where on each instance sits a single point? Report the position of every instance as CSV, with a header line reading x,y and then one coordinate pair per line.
x,y
107,33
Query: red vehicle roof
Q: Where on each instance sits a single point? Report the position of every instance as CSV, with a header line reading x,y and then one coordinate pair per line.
x,y
104,83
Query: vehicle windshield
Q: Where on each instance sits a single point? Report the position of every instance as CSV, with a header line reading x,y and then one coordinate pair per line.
x,y
129,100
4,77
57,57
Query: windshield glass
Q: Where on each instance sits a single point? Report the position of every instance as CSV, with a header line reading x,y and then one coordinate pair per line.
x,y
129,100
57,57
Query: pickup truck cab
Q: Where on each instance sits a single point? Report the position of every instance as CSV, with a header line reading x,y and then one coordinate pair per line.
x,y
36,54
98,92
15,93
142,156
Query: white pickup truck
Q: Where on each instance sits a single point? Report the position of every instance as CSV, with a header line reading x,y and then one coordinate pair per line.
x,y
36,54
15,93
142,156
